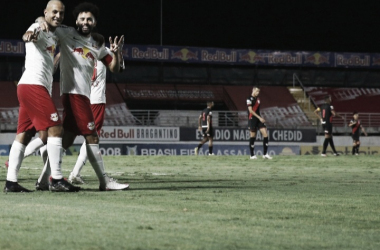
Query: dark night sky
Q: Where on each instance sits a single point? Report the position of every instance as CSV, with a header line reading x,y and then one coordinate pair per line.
x,y
255,24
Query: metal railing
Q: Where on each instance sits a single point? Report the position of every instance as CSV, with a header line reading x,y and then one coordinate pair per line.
x,y
119,115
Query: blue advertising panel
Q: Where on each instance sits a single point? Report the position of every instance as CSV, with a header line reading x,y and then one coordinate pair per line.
x,y
12,47
188,149
242,134
178,54
4,150
105,149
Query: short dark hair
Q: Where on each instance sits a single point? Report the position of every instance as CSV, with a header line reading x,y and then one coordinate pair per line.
x,y
355,112
86,7
327,97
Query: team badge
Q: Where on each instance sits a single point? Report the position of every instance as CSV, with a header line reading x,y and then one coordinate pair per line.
x,y
91,125
54,117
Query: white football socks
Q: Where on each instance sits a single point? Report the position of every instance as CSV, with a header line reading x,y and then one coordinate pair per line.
x,y
55,152
46,172
16,155
96,160
33,146
81,161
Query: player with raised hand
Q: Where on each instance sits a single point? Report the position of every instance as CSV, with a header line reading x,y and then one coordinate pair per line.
x,y
98,104
80,48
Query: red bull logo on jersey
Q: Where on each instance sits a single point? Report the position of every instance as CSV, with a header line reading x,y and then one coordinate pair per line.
x,y
317,59
51,50
78,50
251,57
85,53
54,117
184,55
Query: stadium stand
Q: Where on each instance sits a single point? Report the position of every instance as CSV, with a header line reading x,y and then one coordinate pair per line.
x,y
279,107
346,100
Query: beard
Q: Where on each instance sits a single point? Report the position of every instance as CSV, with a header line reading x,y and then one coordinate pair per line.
x,y
85,29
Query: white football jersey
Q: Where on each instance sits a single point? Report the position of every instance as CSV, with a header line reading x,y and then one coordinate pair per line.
x,y
78,57
98,87
39,59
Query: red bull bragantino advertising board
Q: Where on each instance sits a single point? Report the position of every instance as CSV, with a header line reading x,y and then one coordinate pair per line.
x,y
183,54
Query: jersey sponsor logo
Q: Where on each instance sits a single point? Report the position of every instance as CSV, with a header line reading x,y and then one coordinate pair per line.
x,y
54,117
84,52
51,50
91,125
78,50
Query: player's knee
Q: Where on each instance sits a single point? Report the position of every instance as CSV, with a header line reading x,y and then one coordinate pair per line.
x,y
92,139
24,138
55,131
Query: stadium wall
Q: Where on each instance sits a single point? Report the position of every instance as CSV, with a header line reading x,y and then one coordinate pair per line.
x,y
369,146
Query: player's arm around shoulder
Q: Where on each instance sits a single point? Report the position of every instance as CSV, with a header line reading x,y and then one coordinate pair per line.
x,y
31,35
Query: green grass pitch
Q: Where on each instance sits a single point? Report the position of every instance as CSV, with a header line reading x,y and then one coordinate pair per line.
x,y
201,202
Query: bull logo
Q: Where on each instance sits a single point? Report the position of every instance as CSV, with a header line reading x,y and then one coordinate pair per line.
x,y
251,57
184,55
51,50
91,125
54,117
84,52
78,50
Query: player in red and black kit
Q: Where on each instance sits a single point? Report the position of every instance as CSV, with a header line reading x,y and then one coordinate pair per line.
x,y
255,121
357,127
205,127
327,113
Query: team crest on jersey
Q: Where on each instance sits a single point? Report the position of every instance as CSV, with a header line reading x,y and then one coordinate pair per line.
x,y
91,125
54,117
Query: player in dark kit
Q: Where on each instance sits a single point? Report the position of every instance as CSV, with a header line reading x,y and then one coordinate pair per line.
x,y
357,127
205,127
255,121
327,113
